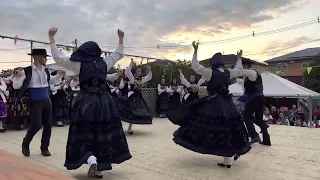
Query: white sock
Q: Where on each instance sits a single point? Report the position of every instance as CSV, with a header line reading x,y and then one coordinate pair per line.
x,y
92,160
130,128
1,127
99,173
59,123
227,160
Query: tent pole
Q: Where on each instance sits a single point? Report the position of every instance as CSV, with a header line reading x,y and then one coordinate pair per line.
x,y
310,112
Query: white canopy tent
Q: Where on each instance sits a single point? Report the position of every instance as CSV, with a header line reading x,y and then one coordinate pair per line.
x,y
276,86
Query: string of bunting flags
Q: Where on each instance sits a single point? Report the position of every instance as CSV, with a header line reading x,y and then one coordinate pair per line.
x,y
294,71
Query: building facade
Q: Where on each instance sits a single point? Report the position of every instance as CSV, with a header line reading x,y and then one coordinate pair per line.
x,y
293,65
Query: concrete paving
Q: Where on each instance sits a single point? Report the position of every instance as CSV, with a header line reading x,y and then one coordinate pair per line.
x,y
295,155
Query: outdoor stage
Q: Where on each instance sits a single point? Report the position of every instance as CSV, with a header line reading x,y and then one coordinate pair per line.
x,y
295,155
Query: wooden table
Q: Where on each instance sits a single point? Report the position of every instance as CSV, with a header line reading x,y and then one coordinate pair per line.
x,y
13,167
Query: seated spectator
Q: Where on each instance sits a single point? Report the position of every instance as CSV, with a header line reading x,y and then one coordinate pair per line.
x,y
267,117
300,123
283,120
315,122
275,114
292,114
300,115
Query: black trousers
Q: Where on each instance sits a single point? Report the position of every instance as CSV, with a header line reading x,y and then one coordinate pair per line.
x,y
255,106
40,115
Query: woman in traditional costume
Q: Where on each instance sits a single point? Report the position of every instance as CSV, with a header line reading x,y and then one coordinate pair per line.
x,y
3,104
212,125
18,116
174,91
163,98
96,135
60,108
192,88
133,109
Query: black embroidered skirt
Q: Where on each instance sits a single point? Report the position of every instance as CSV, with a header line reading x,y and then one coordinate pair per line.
x,y
95,129
211,127
134,109
163,103
60,108
174,101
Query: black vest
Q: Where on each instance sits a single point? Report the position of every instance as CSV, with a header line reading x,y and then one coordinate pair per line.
x,y
26,82
252,87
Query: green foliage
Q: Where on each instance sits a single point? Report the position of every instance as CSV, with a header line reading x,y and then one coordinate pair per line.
x,y
169,70
312,80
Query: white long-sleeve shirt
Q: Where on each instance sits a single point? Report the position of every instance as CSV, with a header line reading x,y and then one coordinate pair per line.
x,y
38,79
206,73
131,78
160,90
63,60
185,82
250,73
3,89
170,90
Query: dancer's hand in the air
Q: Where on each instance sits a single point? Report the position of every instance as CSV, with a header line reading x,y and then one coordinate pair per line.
x,y
52,32
121,36
239,54
195,46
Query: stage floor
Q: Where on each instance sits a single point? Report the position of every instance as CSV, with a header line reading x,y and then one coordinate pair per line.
x,y
295,155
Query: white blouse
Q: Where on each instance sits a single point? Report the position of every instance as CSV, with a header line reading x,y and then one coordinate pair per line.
x,y
38,79
185,82
161,90
64,60
206,73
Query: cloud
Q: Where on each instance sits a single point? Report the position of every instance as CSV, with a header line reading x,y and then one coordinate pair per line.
x,y
146,23
284,46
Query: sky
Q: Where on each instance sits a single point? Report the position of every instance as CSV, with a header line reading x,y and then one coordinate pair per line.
x,y
173,24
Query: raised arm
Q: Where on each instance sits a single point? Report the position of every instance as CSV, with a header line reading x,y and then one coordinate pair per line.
x,y
183,80
206,73
201,81
129,74
148,77
169,89
59,57
116,55
238,69
112,77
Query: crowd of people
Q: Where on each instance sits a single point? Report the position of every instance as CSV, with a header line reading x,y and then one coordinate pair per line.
x,y
94,106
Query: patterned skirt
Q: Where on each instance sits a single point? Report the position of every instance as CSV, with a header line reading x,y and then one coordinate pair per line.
x,y
211,126
163,103
60,108
95,129
134,109
174,101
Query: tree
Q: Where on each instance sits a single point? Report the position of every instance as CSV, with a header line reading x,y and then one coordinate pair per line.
x,y
312,80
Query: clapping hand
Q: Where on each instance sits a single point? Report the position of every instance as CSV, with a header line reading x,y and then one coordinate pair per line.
x,y
120,33
195,45
239,53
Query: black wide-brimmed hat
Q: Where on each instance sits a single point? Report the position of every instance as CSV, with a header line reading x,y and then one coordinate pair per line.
x,y
39,52
217,60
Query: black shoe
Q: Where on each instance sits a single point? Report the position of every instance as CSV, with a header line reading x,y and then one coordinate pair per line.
x,y
99,177
26,151
236,157
255,140
3,131
45,153
130,132
223,165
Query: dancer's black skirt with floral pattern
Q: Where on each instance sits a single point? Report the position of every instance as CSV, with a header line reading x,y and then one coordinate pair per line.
x,y
211,126
95,129
134,109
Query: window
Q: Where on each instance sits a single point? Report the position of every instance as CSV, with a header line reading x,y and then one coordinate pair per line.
x,y
282,66
305,64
